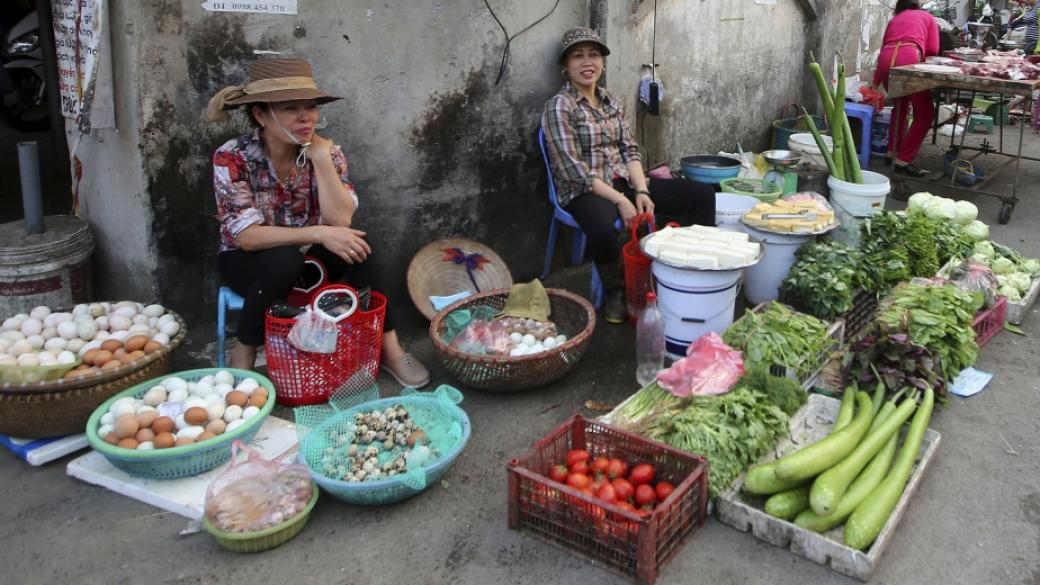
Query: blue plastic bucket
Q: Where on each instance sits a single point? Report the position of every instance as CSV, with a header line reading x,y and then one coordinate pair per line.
x,y
707,168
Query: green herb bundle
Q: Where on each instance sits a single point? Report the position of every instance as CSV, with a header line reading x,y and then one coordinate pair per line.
x,y
780,336
825,277
883,244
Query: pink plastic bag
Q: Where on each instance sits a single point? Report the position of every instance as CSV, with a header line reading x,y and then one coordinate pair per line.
x,y
710,368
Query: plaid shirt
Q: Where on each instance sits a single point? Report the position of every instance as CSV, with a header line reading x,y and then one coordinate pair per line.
x,y
249,193
585,143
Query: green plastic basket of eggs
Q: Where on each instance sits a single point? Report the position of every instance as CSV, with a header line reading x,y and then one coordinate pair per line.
x,y
182,424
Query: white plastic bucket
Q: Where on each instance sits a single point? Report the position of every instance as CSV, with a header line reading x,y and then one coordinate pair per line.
x,y
762,281
694,302
806,144
853,202
52,268
730,207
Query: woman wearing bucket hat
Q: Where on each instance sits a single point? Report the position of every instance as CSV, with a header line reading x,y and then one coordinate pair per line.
x,y
597,168
283,187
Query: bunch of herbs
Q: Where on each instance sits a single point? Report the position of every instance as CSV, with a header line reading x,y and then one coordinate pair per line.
x,y
778,335
824,280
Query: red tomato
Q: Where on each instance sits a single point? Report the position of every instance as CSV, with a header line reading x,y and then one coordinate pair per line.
x,y
588,491
624,488
645,495
598,483
663,489
616,468
599,465
580,467
607,493
627,506
577,455
578,480
641,474
558,473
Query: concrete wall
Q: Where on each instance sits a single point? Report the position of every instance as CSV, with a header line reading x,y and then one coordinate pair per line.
x,y
436,148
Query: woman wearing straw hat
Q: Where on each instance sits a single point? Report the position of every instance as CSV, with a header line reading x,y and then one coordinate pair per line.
x,y
283,187
597,168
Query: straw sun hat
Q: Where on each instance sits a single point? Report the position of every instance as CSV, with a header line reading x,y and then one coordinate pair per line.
x,y
270,81
453,265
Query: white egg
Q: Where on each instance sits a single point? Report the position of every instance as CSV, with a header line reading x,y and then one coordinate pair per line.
x,y
5,344
247,385
101,335
516,337
561,339
529,339
223,377
12,335
232,413
154,310
201,389
234,425
123,406
40,313
101,322
67,330
145,408
215,409
162,338
171,329
66,357
190,432
153,322
179,395
20,348
514,352
107,418
36,341
180,423
7,359
155,396
105,429
74,345
146,446
212,398
194,401
167,318
140,319
97,309
86,329
222,389
119,335
12,324
52,320
549,343
174,383
127,311
42,359
49,333
81,309
537,348
31,326
249,412
140,328
87,346
119,323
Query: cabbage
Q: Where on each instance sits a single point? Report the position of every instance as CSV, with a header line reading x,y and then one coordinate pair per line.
x,y
985,249
940,208
964,212
918,200
1002,281
1010,292
977,230
1031,266
1002,266
1020,280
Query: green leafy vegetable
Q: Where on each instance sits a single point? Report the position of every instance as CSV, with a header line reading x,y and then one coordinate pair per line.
x,y
824,280
779,336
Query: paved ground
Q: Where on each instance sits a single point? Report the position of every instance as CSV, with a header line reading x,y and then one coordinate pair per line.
x,y
976,519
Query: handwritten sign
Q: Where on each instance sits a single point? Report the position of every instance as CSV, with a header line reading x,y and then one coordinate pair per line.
x,y
84,62
259,6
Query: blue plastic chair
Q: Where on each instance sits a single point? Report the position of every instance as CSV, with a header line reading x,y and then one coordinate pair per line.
x,y
564,219
865,114
227,300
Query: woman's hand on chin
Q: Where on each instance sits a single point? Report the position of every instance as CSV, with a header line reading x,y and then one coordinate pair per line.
x,y
320,149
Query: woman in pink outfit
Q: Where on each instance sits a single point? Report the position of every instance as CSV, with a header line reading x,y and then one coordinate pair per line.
x,y
911,36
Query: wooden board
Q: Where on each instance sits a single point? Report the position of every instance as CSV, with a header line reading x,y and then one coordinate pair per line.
x,y
744,513
905,80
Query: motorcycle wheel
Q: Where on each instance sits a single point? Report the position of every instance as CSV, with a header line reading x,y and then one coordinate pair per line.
x,y
25,107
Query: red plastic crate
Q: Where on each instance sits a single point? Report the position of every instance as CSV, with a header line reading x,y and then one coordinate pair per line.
x,y
619,540
989,322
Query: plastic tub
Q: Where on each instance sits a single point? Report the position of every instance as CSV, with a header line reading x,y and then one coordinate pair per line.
x,y
762,281
853,202
707,168
729,208
806,145
694,302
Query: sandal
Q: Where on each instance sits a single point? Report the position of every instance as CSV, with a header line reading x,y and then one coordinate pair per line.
x,y
408,371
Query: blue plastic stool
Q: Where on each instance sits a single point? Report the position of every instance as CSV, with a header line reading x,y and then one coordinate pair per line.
x,y
562,218
227,300
866,116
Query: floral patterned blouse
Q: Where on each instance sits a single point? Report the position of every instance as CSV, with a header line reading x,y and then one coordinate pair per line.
x,y
249,192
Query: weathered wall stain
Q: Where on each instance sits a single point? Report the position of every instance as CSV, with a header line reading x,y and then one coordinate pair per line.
x,y
443,127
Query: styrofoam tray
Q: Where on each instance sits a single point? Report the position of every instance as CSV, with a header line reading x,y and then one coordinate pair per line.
x,y
1017,311
809,424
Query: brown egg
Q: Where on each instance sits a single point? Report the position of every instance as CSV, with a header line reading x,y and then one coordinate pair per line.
x,y
204,436
163,424
126,426
89,356
236,398
128,443
112,364
181,442
83,367
151,346
138,354
111,438
111,345
196,415
146,418
119,354
216,426
260,391
165,440
136,343
74,373
144,435
100,357
257,400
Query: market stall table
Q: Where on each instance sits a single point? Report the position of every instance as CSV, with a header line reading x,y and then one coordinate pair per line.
x,y
909,79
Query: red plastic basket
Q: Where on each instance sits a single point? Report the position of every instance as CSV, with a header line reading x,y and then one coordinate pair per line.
x,y
302,377
638,280
989,322
303,291
619,540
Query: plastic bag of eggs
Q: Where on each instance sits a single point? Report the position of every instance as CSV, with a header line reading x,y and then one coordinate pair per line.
x,y
177,412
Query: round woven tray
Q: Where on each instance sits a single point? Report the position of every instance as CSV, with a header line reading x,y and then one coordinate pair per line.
x,y
62,407
430,273
574,316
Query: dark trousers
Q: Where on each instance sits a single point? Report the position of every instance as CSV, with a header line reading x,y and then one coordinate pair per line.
x,y
680,200
266,276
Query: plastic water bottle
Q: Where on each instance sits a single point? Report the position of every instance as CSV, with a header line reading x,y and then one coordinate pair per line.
x,y
649,342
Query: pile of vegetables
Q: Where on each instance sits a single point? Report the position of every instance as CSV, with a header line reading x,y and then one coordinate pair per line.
x,y
894,360
732,430
610,481
849,476
826,276
779,336
1015,273
937,317
843,163
961,213
901,245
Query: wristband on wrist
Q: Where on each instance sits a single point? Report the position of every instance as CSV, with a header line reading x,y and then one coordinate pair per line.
x,y
642,192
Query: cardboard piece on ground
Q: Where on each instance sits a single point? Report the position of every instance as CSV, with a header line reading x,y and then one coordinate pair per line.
x,y
185,497
39,451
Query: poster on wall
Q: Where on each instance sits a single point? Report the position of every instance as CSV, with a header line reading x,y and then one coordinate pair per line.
x,y
84,62
257,6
